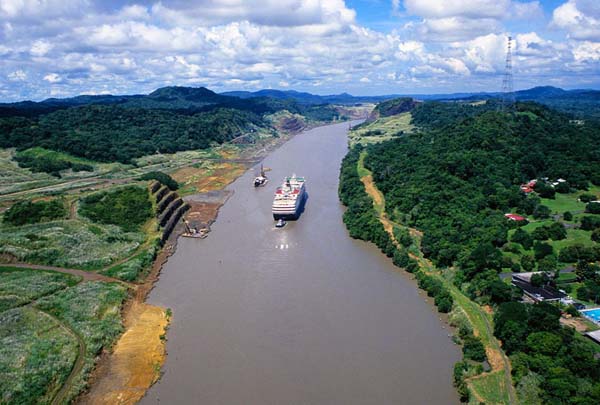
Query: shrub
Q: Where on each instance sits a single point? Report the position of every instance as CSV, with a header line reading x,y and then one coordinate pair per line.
x,y
589,223
523,238
163,178
586,198
28,212
542,249
128,207
593,208
473,348
403,236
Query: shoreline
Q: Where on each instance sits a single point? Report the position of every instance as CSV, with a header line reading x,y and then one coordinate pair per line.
x,y
135,367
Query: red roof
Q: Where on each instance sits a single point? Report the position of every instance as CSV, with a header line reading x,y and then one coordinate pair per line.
x,y
526,189
515,217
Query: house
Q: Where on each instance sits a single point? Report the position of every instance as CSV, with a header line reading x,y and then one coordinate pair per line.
x,y
515,217
537,294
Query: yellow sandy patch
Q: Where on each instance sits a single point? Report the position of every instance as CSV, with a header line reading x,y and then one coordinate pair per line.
x,y
203,179
136,361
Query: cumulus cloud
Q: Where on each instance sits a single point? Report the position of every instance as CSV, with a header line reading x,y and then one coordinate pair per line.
x,y
51,47
453,20
580,18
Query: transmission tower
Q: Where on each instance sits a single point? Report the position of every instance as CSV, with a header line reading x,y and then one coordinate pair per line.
x,y
508,95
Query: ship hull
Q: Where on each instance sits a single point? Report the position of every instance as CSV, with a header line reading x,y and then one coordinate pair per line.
x,y
289,213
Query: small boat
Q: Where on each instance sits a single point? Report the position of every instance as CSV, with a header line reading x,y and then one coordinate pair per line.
x,y
192,232
280,224
262,179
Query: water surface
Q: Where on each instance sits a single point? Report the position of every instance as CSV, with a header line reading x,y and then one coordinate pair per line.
x,y
299,315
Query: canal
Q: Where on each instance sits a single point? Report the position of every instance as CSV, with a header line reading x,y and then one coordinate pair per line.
x,y
298,315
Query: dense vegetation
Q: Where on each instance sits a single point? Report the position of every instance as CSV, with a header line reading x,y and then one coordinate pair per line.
x,y
128,207
394,106
115,133
29,212
456,183
454,180
163,178
121,128
560,366
41,160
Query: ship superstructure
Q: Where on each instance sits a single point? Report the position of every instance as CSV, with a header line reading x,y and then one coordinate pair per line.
x,y
289,197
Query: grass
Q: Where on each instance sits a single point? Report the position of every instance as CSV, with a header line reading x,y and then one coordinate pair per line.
x,y
21,286
382,129
487,387
69,243
564,202
134,268
92,311
36,356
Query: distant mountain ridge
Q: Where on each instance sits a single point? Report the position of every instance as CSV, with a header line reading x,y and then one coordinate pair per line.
x,y
197,98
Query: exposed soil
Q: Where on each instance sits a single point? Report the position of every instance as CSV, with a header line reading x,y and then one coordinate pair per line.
x,y
136,360
123,376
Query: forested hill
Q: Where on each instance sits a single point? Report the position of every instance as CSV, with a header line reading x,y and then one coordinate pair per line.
x,y
456,182
455,179
120,128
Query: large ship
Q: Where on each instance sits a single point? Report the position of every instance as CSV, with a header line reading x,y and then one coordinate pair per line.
x,y
289,198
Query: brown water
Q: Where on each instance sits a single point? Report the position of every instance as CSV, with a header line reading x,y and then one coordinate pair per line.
x,y
299,315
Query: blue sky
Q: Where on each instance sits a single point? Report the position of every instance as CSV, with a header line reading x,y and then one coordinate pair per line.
x,y
60,48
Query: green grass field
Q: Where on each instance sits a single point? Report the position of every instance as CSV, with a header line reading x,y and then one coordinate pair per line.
x,y
92,311
21,286
36,356
69,243
382,129
487,386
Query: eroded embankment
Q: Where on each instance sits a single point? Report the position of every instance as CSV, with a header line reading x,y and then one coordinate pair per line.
x,y
124,375
136,360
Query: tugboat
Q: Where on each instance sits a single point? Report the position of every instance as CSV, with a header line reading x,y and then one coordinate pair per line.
x,y
260,181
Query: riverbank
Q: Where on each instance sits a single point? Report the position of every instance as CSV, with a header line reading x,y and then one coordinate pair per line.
x,y
494,385
123,375
261,314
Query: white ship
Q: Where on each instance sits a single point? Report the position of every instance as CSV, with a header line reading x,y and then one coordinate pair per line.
x,y
289,198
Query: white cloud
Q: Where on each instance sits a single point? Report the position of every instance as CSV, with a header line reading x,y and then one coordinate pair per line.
x,y
72,47
454,20
40,48
581,19
17,76
52,78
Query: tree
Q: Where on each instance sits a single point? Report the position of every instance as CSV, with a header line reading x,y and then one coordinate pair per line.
x,y
528,262
544,190
523,238
161,177
586,198
544,343
593,208
548,264
596,235
567,216
563,187
541,212
542,249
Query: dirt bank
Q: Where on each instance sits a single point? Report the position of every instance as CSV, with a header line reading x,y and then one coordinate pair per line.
x,y
136,360
124,375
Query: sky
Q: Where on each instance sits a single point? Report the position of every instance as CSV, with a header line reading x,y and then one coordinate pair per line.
x,y
61,48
